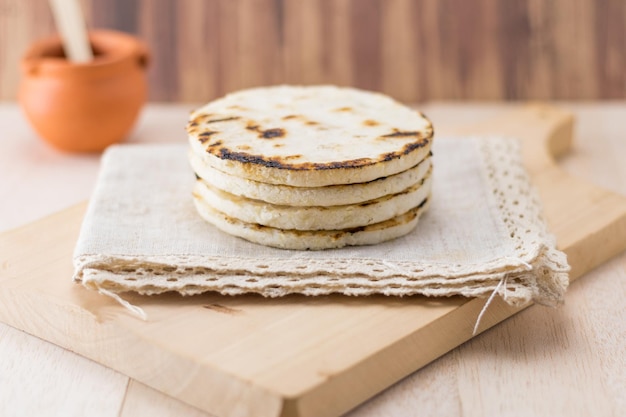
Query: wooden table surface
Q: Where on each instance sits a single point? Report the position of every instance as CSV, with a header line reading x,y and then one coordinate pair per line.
x,y
567,361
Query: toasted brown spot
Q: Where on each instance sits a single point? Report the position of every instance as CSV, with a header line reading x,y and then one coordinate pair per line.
x,y
236,107
355,229
204,136
200,118
343,109
370,122
192,126
292,157
312,123
272,133
290,116
278,145
243,147
216,143
408,190
252,126
411,215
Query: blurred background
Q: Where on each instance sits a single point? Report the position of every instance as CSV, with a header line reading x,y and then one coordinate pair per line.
x,y
414,50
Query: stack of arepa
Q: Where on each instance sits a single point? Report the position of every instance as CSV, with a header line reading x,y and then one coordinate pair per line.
x,y
314,167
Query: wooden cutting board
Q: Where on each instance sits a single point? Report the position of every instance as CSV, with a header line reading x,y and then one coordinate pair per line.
x,y
294,356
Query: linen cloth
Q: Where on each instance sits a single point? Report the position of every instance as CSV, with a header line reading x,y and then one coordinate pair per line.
x,y
484,227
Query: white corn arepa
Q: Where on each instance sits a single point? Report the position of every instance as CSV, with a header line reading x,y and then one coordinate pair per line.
x,y
314,217
313,239
309,136
330,195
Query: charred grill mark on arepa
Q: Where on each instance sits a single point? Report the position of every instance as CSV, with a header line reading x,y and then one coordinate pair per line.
x,y
301,118
272,133
277,132
225,153
200,118
370,122
401,134
282,162
427,132
204,118
192,127
204,136
406,149
279,162
224,119
251,126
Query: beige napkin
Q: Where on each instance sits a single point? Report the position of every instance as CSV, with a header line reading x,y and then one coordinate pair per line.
x,y
483,232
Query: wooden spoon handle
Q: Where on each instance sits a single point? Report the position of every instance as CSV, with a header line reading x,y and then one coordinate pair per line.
x,y
71,25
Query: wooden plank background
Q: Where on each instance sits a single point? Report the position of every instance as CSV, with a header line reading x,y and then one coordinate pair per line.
x,y
415,50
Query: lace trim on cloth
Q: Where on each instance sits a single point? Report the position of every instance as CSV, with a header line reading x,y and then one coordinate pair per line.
x,y
537,271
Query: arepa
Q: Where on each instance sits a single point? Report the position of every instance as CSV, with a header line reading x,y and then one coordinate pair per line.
x,y
310,167
309,136
314,217
316,239
330,195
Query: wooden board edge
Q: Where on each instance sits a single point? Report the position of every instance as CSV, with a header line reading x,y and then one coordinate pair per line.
x,y
331,397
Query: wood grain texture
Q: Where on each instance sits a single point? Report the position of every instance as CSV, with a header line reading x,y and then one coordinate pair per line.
x,y
67,370
415,50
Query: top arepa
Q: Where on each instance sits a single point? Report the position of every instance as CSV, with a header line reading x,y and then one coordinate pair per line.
x,y
309,136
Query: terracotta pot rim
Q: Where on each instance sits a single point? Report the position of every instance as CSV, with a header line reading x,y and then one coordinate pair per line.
x,y
116,49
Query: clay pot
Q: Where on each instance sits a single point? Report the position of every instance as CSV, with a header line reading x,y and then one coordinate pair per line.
x,y
84,107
